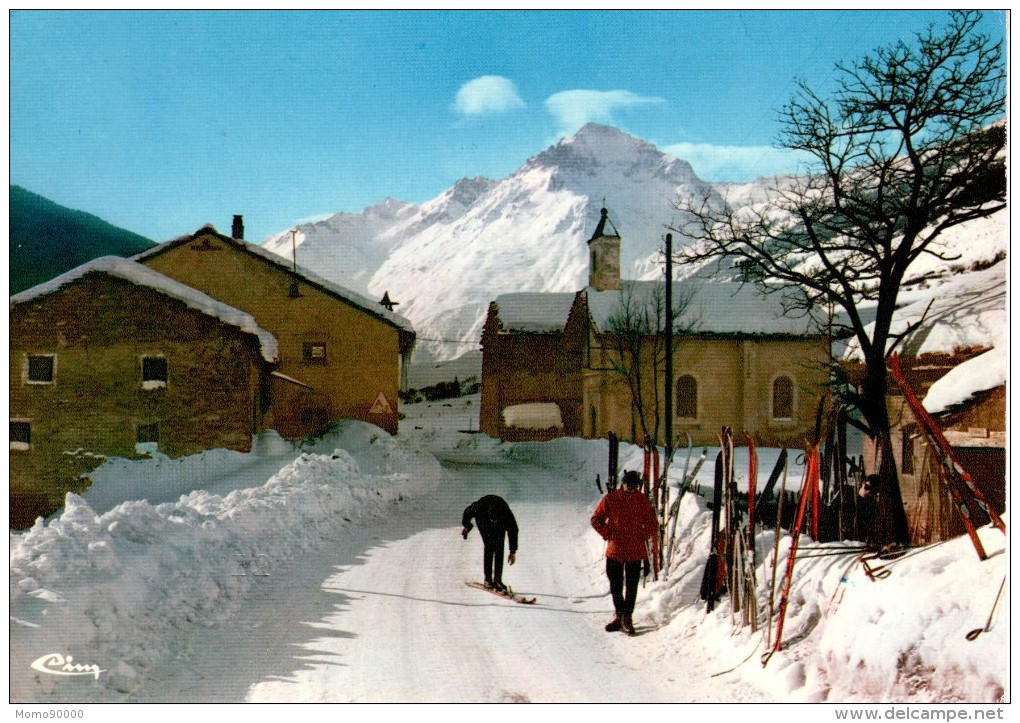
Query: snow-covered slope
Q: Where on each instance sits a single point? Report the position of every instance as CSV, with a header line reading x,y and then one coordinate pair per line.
x,y
444,260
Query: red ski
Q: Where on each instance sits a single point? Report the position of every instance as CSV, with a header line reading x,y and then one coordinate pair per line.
x,y
956,476
808,490
509,595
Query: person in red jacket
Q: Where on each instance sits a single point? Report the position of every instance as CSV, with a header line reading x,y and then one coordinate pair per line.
x,y
626,520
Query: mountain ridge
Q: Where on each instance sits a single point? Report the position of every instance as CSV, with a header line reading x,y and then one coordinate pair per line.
x,y
47,239
447,258
444,260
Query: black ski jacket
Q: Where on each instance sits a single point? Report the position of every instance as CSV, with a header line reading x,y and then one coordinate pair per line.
x,y
494,519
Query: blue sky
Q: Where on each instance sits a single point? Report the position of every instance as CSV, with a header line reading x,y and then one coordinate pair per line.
x,y
163,121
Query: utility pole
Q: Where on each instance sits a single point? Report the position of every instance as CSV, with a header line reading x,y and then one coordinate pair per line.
x,y
293,246
669,349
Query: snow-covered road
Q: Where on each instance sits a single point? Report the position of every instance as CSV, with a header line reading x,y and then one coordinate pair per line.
x,y
387,617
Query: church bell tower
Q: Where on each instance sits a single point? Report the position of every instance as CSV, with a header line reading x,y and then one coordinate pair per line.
x,y
604,256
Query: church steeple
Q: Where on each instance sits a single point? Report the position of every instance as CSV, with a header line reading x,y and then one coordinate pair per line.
x,y
604,256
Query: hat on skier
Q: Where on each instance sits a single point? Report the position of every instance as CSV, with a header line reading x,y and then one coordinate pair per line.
x,y
631,478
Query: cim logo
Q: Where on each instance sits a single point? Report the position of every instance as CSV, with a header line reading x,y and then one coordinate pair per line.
x,y
57,664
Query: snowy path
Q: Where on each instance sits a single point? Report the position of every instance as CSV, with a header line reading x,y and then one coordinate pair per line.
x,y
423,636
386,617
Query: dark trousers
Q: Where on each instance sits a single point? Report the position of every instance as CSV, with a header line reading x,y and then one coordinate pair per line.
x,y
617,571
492,562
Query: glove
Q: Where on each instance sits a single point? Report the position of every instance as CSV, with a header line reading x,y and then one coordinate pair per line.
x,y
513,558
464,532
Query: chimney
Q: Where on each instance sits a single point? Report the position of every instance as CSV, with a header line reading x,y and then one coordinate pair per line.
x,y
604,256
237,230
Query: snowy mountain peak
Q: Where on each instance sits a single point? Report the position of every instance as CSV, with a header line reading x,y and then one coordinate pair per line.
x,y
447,258
606,142
599,146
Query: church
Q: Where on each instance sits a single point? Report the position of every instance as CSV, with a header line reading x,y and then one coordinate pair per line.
x,y
589,363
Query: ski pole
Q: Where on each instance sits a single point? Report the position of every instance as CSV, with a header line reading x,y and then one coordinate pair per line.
x,y
973,634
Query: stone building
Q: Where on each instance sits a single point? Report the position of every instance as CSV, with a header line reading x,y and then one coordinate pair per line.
x,y
342,356
115,359
738,360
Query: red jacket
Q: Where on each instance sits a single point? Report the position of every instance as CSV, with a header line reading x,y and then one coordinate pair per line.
x,y
626,520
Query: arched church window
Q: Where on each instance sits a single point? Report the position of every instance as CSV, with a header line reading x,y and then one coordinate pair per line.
x,y
687,397
782,398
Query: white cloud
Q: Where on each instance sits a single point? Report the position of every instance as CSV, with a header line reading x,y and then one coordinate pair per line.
x,y
574,108
736,163
487,94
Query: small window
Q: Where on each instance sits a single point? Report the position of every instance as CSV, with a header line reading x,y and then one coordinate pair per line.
x,y
154,372
40,368
315,417
147,439
21,435
782,398
314,352
907,449
687,397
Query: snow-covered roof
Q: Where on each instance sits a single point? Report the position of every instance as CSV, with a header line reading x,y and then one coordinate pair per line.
x,y
534,312
966,311
715,307
142,275
978,374
352,297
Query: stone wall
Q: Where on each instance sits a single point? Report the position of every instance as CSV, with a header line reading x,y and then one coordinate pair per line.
x,y
99,329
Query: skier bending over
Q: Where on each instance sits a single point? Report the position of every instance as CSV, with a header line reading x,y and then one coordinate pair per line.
x,y
626,520
495,520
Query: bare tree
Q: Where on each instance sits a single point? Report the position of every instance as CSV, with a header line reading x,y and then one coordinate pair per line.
x,y
906,147
637,339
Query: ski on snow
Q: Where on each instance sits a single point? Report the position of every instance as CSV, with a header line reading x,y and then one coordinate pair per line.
x,y
509,595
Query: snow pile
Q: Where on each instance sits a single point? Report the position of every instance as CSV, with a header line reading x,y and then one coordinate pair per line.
x,y
849,636
119,585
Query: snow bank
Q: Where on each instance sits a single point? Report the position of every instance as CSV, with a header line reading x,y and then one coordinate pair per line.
x,y
847,636
117,585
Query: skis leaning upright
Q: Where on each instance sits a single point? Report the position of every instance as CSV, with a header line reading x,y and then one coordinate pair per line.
x,y
710,588
956,476
808,490
766,492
